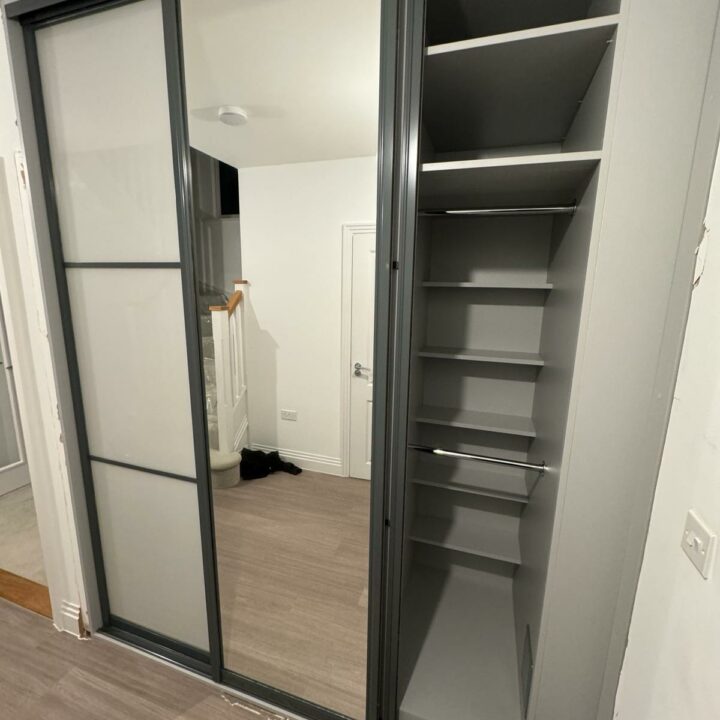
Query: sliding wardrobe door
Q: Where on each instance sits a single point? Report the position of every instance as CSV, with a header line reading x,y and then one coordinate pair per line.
x,y
104,126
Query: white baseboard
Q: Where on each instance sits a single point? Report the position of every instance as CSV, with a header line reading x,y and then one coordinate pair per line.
x,y
307,461
69,619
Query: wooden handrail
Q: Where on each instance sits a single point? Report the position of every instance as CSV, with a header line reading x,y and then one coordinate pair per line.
x,y
232,303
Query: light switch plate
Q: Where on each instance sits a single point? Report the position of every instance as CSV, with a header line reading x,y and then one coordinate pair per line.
x,y
288,415
699,543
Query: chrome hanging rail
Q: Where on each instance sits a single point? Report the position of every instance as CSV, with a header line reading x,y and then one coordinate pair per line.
x,y
500,211
537,467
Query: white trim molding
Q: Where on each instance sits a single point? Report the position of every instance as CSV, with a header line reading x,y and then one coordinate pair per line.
x,y
349,231
38,400
71,620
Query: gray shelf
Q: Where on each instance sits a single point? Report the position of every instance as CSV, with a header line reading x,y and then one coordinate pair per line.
x,y
500,284
517,89
474,420
550,179
493,537
474,478
473,490
504,357
464,656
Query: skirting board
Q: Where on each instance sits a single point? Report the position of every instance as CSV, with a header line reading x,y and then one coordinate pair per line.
x,y
307,461
71,619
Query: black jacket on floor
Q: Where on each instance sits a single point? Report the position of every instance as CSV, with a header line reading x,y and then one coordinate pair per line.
x,y
256,464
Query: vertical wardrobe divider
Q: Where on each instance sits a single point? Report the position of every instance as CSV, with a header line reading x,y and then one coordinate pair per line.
x,y
513,120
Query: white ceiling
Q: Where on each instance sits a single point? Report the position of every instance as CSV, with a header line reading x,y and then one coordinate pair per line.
x,y
306,71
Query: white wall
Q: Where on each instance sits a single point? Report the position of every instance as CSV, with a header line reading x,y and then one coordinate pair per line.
x,y
672,663
291,219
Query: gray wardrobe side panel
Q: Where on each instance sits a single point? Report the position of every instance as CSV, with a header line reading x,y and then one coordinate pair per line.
x,y
569,254
16,46
664,71
666,375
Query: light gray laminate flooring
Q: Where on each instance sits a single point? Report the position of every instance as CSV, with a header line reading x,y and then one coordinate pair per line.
x,y
292,559
47,675
293,574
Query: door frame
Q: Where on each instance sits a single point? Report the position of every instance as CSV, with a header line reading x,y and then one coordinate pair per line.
x,y
349,232
25,16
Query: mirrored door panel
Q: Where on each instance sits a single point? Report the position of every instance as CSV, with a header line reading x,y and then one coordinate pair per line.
x,y
282,105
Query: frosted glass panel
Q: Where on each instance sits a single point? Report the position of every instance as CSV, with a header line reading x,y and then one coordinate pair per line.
x,y
130,339
150,536
105,91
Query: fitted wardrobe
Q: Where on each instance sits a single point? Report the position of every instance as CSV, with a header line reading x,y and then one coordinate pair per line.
x,y
511,113
543,174
513,116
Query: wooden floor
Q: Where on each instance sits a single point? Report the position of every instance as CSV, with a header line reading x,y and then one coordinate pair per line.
x,y
26,593
292,564
47,675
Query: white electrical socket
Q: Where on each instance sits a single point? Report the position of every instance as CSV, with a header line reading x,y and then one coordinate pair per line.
x,y
699,543
288,415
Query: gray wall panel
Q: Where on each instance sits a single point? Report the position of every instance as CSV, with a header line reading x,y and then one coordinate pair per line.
x,y
616,437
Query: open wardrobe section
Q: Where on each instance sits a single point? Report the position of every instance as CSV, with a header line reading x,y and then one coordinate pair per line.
x,y
366,318
510,153
515,160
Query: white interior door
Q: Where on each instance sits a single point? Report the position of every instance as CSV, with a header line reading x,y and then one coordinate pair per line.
x,y
362,326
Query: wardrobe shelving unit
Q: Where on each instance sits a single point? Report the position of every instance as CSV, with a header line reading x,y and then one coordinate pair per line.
x,y
514,102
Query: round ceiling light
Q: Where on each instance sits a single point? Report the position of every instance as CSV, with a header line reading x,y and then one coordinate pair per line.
x,y
232,115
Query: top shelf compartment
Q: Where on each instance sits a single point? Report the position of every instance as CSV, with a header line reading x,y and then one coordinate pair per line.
x,y
451,20
518,90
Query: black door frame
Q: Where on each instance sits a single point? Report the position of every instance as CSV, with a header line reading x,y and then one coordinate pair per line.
x,y
385,532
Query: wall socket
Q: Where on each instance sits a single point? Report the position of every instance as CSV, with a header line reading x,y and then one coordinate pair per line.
x,y
699,543
288,415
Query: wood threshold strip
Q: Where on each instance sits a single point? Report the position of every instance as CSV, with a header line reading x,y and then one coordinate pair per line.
x,y
25,593
232,303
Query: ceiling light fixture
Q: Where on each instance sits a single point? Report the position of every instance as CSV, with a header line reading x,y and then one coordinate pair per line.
x,y
232,115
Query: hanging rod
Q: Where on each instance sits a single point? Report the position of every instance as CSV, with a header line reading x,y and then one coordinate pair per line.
x,y
529,210
537,467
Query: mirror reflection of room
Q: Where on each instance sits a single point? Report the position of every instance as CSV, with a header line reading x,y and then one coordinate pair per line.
x,y
283,117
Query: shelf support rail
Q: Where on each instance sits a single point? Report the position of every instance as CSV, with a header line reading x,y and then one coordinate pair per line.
x,y
537,467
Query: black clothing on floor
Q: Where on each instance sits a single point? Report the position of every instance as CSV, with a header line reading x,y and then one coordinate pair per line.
x,y
256,464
